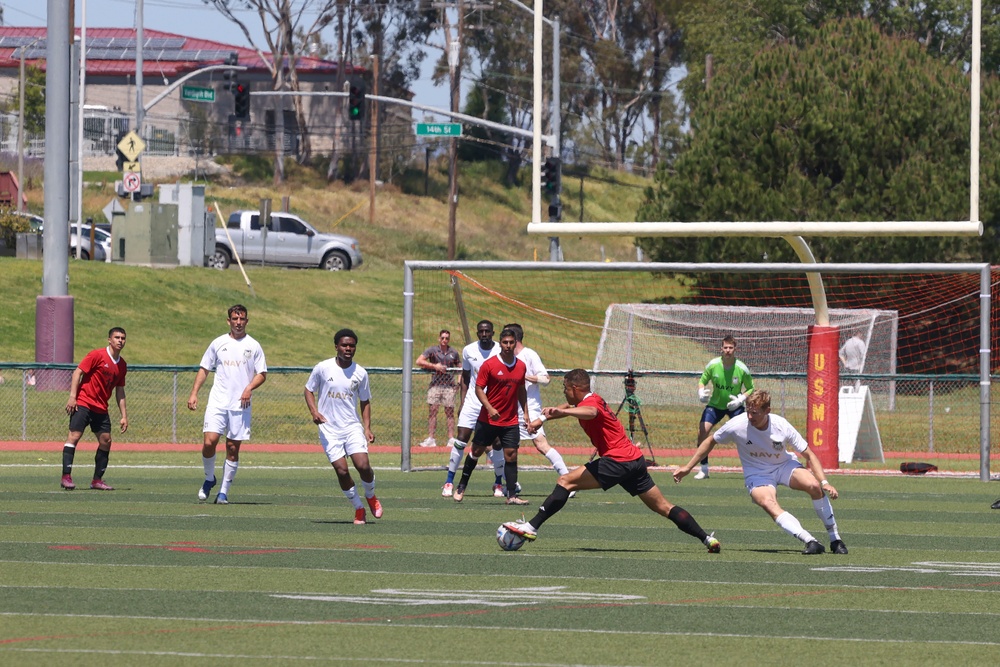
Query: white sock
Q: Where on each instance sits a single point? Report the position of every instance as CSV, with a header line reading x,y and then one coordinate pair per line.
x,y
352,495
456,456
556,459
369,488
704,468
791,525
228,475
208,462
824,510
498,462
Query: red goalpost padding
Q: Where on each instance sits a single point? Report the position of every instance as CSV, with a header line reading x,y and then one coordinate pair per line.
x,y
823,382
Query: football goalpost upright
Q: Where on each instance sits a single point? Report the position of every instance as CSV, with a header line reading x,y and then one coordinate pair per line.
x,y
564,305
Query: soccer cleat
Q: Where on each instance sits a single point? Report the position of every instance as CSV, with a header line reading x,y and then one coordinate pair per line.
x,y
447,490
838,547
812,548
221,499
101,485
995,505
206,488
522,528
701,474
459,493
713,544
375,506
572,494
514,500
498,491
429,442
359,516
67,483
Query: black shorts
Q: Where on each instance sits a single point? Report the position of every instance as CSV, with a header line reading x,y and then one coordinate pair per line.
x,y
99,422
507,437
630,475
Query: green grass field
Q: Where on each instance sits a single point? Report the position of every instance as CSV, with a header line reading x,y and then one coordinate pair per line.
x,y
147,575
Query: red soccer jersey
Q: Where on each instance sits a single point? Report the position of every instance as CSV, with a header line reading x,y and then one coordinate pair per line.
x,y
100,377
500,382
607,433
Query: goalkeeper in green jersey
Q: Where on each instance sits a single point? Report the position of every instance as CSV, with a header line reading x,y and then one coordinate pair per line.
x,y
724,386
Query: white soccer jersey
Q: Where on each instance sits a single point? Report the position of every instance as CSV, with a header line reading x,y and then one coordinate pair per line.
x,y
761,451
473,357
535,368
338,391
235,363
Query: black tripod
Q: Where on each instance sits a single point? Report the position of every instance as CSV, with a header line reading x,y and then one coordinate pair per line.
x,y
634,408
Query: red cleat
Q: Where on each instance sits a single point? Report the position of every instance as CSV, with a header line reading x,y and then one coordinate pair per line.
x,y
375,506
101,485
67,483
359,517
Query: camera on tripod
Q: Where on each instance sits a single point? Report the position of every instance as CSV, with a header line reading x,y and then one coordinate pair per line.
x,y
629,383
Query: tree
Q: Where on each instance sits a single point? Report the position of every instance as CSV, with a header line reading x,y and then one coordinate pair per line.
x,y
34,100
854,125
281,21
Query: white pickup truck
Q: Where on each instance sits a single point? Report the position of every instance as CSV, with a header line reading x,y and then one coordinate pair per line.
x,y
287,241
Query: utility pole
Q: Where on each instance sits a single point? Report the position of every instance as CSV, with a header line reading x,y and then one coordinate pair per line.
x,y
140,38
373,156
455,68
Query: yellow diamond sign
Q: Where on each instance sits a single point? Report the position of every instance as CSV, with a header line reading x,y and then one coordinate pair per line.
x,y
131,146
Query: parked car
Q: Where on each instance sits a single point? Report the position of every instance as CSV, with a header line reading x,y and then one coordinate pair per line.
x,y
289,241
102,243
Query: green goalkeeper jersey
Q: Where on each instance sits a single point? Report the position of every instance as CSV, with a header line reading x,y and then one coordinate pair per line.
x,y
726,382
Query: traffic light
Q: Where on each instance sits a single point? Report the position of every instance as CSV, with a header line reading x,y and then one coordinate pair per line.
x,y
356,100
230,75
241,101
552,175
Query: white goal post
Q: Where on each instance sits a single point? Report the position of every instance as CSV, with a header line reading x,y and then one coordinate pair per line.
x,y
797,269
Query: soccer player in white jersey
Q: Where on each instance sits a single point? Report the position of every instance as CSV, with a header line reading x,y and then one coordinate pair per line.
x,y
239,365
473,356
335,390
536,377
761,440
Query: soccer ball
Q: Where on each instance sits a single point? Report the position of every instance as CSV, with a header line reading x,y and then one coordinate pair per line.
x,y
509,541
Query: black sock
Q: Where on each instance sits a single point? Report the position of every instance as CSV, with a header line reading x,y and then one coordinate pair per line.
x,y
704,461
510,474
101,463
68,454
686,522
470,465
552,504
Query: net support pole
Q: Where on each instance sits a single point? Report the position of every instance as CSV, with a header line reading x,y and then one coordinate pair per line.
x,y
985,305
407,402
815,280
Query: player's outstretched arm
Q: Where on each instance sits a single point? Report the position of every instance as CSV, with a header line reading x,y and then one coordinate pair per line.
x,y
706,446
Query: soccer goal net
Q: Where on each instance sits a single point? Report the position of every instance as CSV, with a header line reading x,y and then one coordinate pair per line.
x,y
771,341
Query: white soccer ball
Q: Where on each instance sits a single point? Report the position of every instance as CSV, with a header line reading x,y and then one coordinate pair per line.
x,y
509,541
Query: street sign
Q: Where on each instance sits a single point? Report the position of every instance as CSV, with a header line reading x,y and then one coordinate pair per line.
x,y
439,129
131,182
197,94
113,207
128,167
131,146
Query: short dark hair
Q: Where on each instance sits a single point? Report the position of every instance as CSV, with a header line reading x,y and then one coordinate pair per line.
x,y
508,332
443,331
238,308
482,322
729,339
344,333
517,329
112,330
578,378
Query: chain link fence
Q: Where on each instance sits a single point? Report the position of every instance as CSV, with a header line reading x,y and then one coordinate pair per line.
x,y
930,413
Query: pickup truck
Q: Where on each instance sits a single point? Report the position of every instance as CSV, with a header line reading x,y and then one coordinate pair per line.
x,y
289,241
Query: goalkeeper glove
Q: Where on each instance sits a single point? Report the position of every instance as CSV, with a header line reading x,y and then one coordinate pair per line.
x,y
736,401
704,393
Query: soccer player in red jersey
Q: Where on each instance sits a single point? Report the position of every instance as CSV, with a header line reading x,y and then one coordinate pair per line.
x,y
500,388
101,372
620,463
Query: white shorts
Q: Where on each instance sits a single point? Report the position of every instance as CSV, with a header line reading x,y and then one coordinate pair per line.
x,y
234,424
531,436
469,415
341,442
780,474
